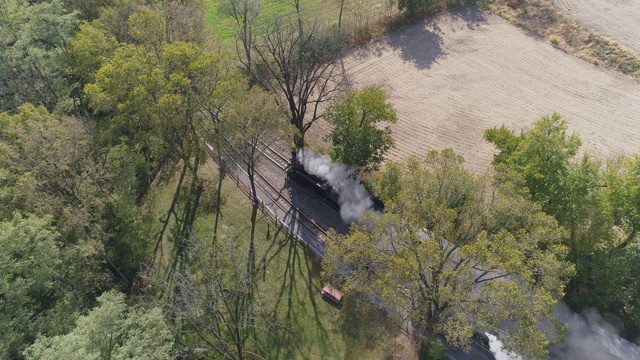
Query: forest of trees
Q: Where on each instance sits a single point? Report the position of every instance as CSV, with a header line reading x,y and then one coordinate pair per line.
x,y
101,101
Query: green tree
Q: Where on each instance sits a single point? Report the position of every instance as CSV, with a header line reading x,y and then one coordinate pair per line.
x,y
622,180
541,155
32,43
88,9
544,161
164,105
51,169
455,254
31,283
89,50
413,7
112,330
357,116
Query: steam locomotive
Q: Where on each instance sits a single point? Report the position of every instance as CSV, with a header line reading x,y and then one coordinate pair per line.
x,y
320,186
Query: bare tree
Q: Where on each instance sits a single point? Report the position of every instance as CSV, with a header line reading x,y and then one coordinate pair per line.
x,y
212,298
340,3
256,122
302,64
245,14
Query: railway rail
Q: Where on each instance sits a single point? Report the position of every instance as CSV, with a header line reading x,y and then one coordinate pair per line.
x,y
274,156
313,229
296,217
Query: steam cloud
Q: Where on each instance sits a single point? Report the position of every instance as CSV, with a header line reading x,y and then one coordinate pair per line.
x,y
588,338
353,198
591,338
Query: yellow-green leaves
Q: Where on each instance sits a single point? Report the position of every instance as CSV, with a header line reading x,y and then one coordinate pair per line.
x,y
91,48
456,254
358,116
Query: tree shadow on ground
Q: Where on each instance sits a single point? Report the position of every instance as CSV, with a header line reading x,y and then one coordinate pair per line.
x,y
421,42
367,329
471,16
287,314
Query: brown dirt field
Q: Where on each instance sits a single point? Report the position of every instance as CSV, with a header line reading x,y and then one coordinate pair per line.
x,y
453,76
618,19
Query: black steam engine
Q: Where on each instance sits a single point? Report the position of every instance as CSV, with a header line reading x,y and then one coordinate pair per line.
x,y
320,186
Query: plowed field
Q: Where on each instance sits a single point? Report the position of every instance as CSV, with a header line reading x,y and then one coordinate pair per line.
x,y
618,19
453,76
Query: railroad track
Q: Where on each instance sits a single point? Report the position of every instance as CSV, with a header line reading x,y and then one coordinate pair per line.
x,y
275,157
308,225
478,350
274,197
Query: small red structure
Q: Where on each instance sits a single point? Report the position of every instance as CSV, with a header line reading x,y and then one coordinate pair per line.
x,y
332,293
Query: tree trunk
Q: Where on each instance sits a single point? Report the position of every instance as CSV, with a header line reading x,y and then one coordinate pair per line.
x,y
221,174
254,214
340,15
298,140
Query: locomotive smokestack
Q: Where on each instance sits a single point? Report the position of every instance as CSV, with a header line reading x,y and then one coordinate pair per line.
x,y
353,198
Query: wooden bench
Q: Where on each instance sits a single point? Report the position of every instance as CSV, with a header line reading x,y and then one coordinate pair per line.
x,y
332,293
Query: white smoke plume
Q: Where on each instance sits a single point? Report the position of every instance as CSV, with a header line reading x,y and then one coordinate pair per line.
x,y
592,338
495,346
589,338
353,198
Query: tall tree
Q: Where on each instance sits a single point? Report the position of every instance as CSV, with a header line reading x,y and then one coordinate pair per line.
x,y
51,169
455,254
87,52
357,136
254,124
541,155
568,188
622,179
32,43
300,63
544,160
112,330
33,300
245,14
213,300
88,9
164,104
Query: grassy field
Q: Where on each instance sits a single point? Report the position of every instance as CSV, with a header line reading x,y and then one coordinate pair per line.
x,y
297,322
223,25
362,17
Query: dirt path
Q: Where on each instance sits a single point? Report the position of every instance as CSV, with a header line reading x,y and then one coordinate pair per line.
x,y
456,75
618,19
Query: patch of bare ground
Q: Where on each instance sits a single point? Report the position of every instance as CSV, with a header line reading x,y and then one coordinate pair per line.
x,y
455,75
543,18
619,19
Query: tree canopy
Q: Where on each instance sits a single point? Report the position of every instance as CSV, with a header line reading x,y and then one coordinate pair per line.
x,y
454,253
112,330
32,44
31,272
357,137
598,208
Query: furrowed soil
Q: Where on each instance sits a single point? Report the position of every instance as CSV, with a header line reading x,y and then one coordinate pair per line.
x,y
618,19
455,75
